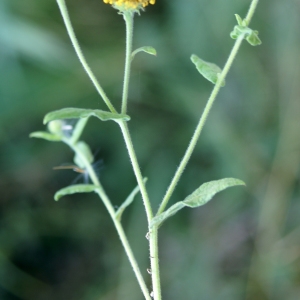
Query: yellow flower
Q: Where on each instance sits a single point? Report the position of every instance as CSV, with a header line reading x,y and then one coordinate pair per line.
x,y
129,4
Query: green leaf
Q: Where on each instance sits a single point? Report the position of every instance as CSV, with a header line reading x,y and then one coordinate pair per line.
x,y
77,113
198,198
208,70
253,38
250,35
46,136
239,19
207,190
84,150
127,202
73,189
148,49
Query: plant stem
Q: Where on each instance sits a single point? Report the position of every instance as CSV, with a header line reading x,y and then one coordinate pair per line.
x,y
128,17
251,11
155,273
136,169
153,233
107,203
70,30
205,113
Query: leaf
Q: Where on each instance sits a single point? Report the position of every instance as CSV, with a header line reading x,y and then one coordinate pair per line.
x,y
239,19
198,198
77,113
148,49
208,70
127,202
73,189
253,38
250,35
46,136
207,190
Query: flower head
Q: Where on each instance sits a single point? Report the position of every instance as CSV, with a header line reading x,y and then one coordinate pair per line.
x,y
134,5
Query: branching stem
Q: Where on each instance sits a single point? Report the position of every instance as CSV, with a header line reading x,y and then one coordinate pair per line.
x,y
107,203
205,113
136,169
153,231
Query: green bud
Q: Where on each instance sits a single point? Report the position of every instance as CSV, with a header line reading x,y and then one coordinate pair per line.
x,y
55,127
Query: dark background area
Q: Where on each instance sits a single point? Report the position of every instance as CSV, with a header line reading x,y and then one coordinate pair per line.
x,y
245,244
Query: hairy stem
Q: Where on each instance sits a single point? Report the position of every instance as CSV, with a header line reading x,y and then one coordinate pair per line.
x,y
70,30
153,238
128,17
154,259
107,203
205,113
136,169
251,11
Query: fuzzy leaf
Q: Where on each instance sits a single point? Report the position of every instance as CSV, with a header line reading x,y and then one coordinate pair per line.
x,y
73,189
239,19
208,70
207,190
253,38
198,198
148,49
46,136
77,113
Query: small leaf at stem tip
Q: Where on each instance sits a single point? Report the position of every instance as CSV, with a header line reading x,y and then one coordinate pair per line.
x,y
148,49
127,202
208,70
46,136
198,198
239,19
77,113
250,35
73,189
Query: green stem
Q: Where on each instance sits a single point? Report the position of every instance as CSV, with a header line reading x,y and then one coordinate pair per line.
x,y
100,191
251,11
205,113
136,169
70,30
153,238
154,259
128,17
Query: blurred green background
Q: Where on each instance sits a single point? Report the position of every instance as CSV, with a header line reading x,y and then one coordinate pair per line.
x,y
243,245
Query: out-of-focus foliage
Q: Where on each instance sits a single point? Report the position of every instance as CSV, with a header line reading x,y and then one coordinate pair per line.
x,y
242,245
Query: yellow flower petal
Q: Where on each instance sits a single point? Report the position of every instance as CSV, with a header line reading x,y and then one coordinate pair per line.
x,y
129,4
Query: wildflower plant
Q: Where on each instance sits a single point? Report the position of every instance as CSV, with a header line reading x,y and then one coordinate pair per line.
x,y
84,159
